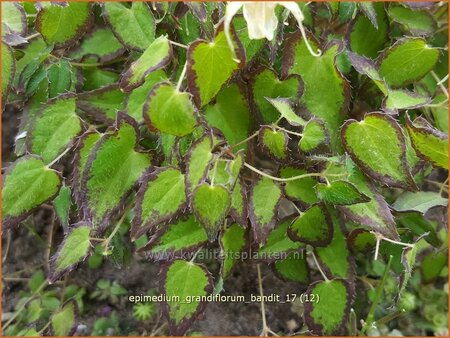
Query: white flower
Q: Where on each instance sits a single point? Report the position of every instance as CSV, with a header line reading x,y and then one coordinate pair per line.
x,y
261,20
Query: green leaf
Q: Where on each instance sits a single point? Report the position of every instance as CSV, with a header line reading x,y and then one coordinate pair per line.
x,y
156,56
414,21
180,238
211,204
101,43
198,159
103,103
232,242
160,197
369,11
361,240
267,85
312,227
8,68
63,25
285,109
420,201
365,141
278,244
26,184
300,189
365,66
407,61
263,207
340,193
274,142
328,316
71,251
111,172
185,280
169,111
55,128
335,257
62,204
429,143
63,320
210,65
293,268
432,265
366,39
326,91
14,20
403,99
252,47
314,135
419,225
95,78
134,26
230,114
239,203
59,78
138,96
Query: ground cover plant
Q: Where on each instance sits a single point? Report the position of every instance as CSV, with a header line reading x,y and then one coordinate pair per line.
x,y
168,164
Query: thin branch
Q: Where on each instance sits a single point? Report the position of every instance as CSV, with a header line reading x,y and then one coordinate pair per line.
x,y
439,82
180,80
318,266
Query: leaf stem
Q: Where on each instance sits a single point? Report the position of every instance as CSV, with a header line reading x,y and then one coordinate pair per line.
x,y
106,242
381,237
288,131
440,83
369,320
245,140
180,80
318,266
59,157
178,44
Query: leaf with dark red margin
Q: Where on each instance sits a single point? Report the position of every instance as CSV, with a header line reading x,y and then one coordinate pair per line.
x,y
429,143
340,193
329,315
365,141
8,70
113,157
403,99
162,189
265,197
195,280
365,66
239,204
69,322
294,268
273,142
360,240
232,242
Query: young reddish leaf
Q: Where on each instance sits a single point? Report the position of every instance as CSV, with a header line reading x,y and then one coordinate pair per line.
x,y
64,25
210,65
211,204
74,249
274,142
169,111
160,198
429,143
265,197
232,243
312,227
156,56
365,141
184,284
111,172
27,183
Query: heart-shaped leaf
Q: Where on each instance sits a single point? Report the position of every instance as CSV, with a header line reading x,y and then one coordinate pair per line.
x,y
101,43
138,96
62,26
134,26
429,143
111,172
184,284
314,134
361,240
420,201
264,199
54,128
284,107
414,21
8,69
329,314
156,56
230,114
160,197
169,110
177,240
71,251
267,85
312,227
102,104
301,189
366,39
274,142
293,268
366,140
27,183
232,242
406,61
63,320
211,204
326,91
278,244
403,99
210,65
340,193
